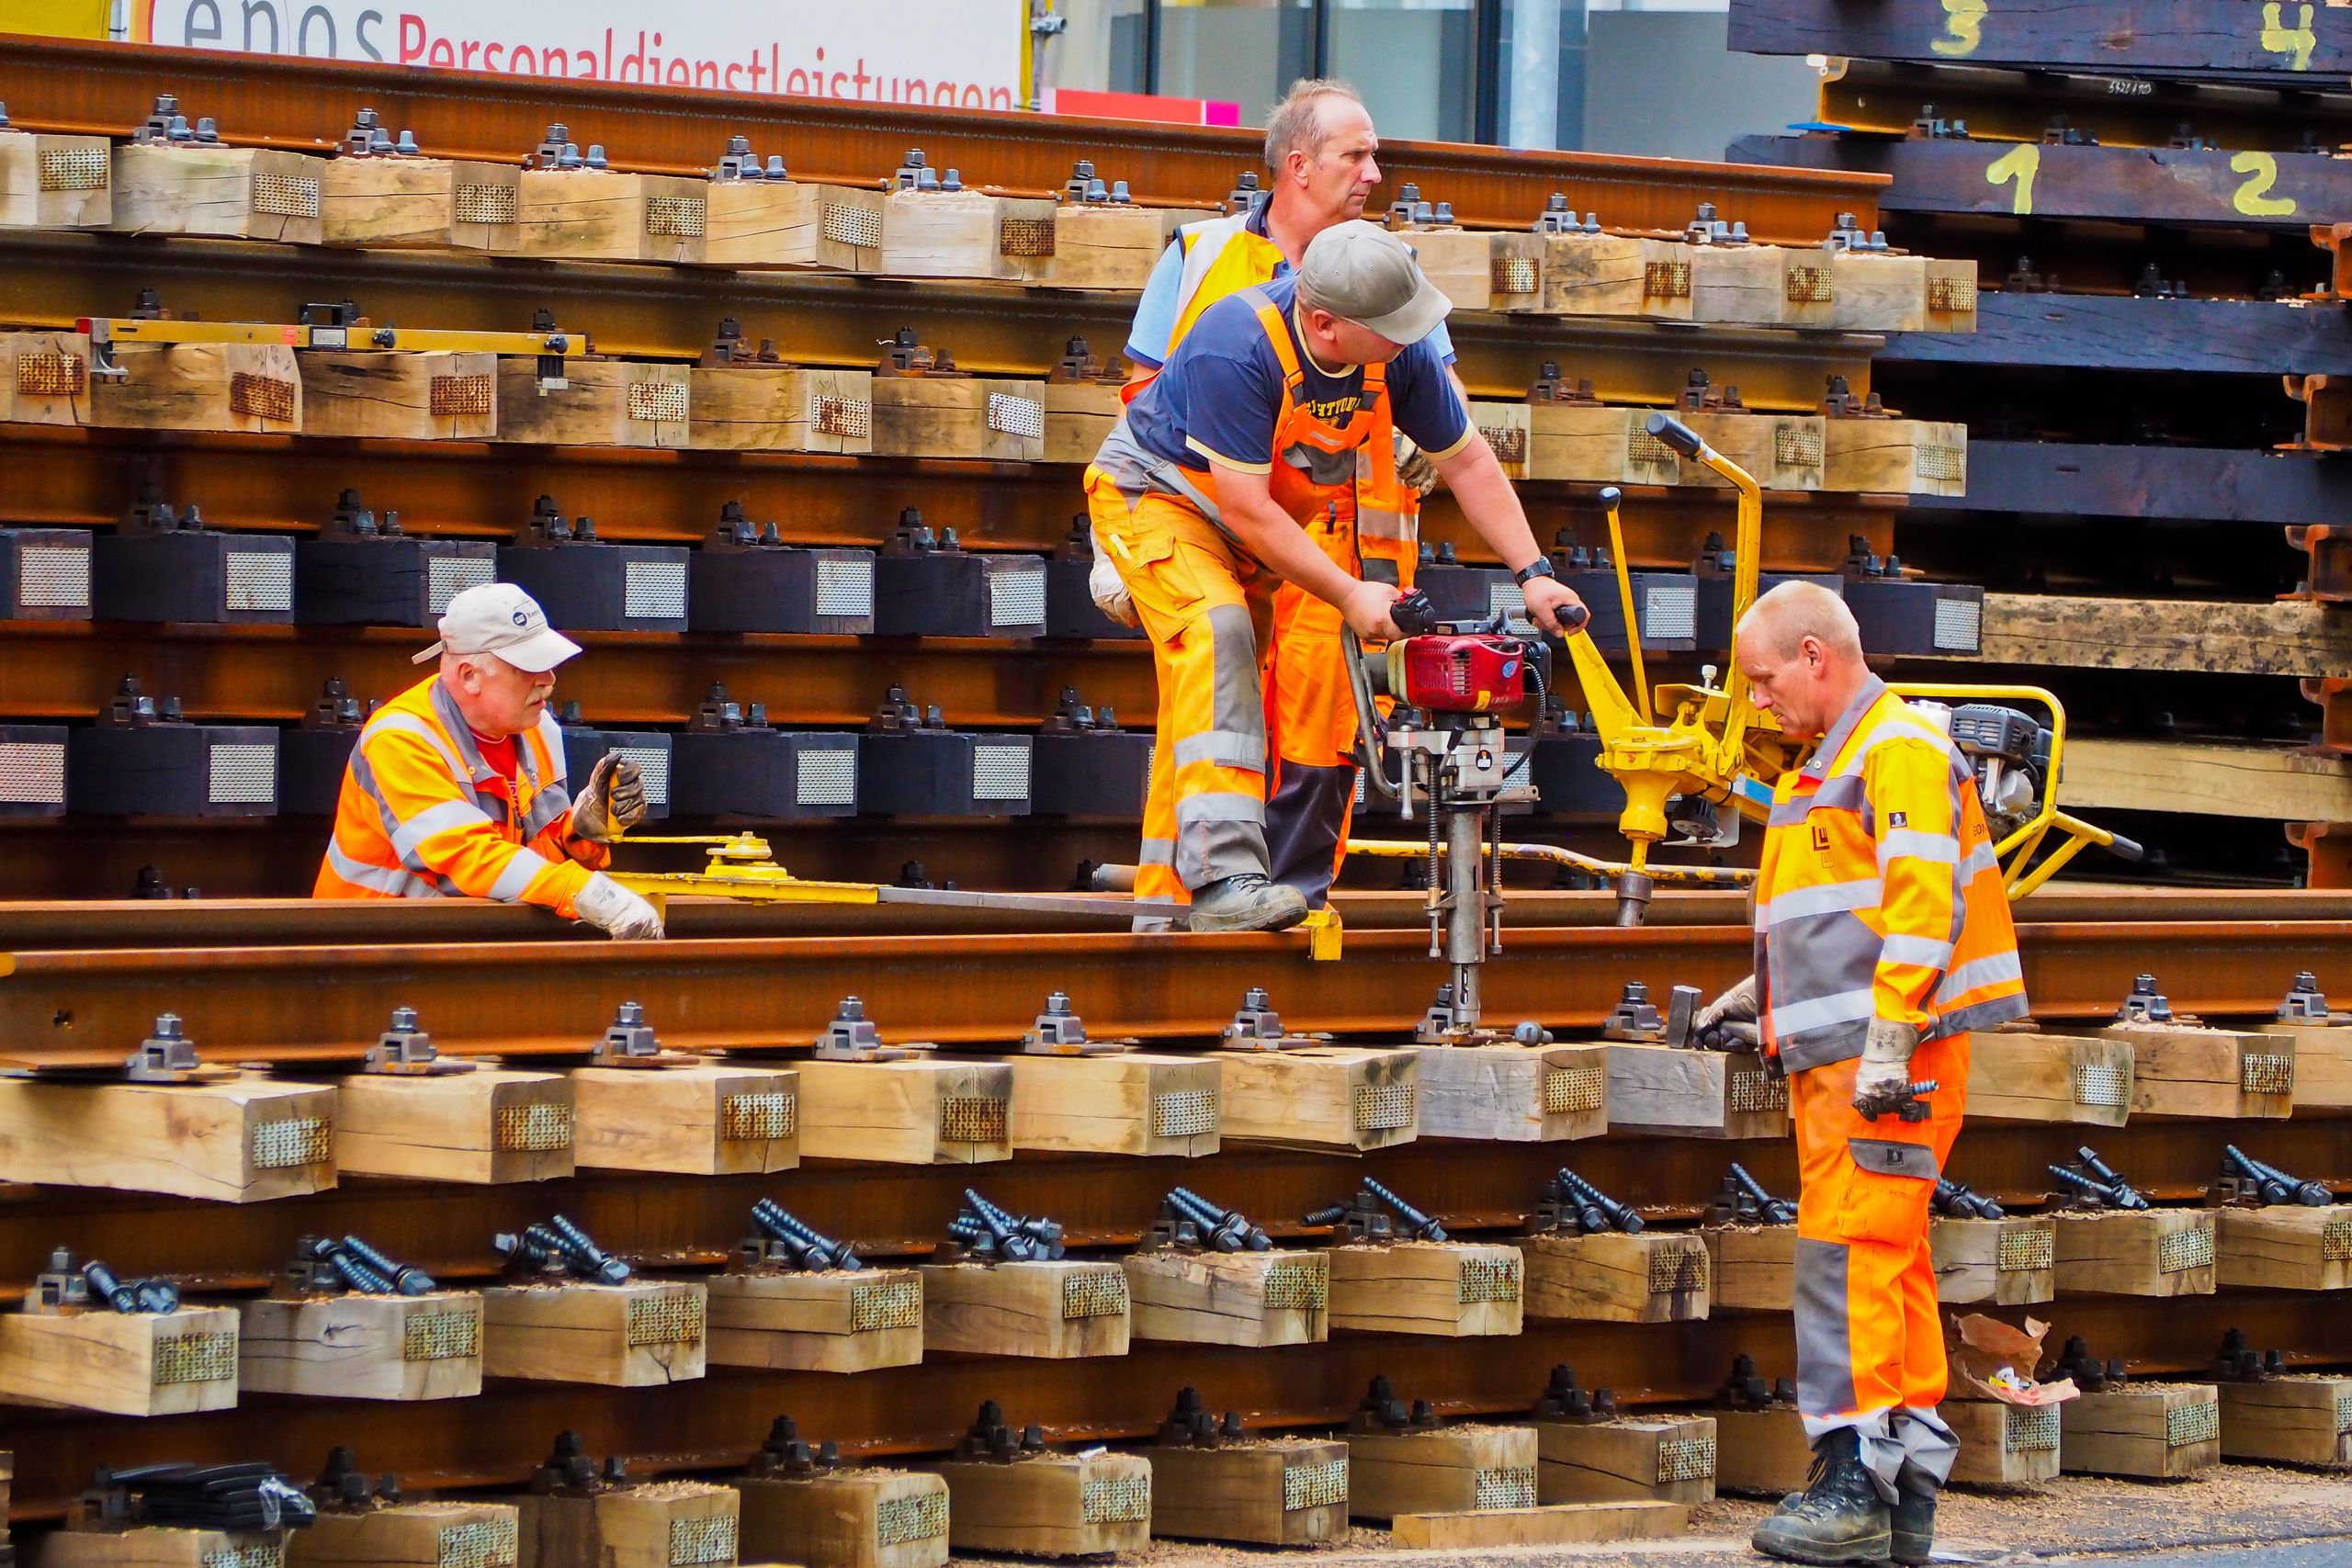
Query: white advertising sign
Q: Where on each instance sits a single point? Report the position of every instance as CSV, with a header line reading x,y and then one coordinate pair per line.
x,y
964,53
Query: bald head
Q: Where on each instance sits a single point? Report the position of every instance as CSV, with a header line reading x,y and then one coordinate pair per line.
x,y
1783,617
1801,653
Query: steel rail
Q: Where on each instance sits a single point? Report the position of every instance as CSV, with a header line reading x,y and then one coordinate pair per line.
x,y
70,669
666,313
306,105
2018,104
277,857
776,993
2133,43
714,1423
216,922
694,1222
61,478
680,1221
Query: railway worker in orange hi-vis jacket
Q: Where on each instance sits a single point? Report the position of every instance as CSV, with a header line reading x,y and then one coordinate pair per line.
x,y
456,787
1201,496
1883,937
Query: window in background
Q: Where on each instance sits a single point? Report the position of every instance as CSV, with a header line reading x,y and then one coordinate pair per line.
x,y
1243,52
1099,48
1540,81
1414,61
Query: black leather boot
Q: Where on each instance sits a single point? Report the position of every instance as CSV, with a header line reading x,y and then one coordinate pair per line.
x,y
1913,1517
1838,1518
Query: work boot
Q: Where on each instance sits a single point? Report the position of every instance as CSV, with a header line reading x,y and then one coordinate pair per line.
x,y
1913,1517
1247,903
1838,1517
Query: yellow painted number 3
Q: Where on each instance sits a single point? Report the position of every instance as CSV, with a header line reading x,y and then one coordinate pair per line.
x,y
2020,164
1963,29
2252,198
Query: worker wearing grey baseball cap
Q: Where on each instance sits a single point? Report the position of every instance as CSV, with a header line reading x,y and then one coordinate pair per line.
x,y
1367,277
1203,494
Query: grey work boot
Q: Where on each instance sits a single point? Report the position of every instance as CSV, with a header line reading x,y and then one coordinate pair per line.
x,y
1247,902
1838,1518
1913,1517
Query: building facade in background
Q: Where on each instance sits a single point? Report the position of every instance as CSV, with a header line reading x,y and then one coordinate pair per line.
x,y
1639,76
1636,76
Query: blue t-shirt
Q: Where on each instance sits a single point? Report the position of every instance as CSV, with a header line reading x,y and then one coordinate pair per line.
x,y
1156,313
1221,395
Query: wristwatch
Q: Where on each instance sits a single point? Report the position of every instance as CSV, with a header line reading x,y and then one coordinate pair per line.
x,y
1540,567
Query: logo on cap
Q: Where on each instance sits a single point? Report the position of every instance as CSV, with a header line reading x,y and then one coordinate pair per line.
x,y
522,616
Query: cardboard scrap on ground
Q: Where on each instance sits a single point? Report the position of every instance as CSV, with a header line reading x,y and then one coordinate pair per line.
x,y
1982,1349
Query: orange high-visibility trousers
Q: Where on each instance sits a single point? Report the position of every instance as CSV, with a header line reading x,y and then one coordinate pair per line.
x,y
1311,726
1208,609
1870,1339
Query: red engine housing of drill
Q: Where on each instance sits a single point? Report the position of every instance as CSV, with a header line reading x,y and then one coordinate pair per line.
x,y
1458,671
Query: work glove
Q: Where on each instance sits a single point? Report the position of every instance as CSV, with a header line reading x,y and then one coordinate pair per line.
x,y
1883,1080
1728,1023
611,802
617,912
1109,588
1413,466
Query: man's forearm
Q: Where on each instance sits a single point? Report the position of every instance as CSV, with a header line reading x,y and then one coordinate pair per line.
x,y
1269,532
1490,504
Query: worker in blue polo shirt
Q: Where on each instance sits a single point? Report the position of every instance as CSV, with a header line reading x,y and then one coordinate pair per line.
x,y
1321,163
1199,497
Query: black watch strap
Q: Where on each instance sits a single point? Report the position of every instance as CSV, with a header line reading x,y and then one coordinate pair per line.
x,y
1540,567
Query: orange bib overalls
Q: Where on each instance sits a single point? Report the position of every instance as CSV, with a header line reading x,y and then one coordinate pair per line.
x,y
1208,607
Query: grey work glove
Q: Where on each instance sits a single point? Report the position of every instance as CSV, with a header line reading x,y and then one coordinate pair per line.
x,y
1413,466
611,802
1731,1017
1882,1081
1108,589
620,914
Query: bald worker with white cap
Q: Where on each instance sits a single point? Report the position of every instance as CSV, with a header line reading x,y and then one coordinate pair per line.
x,y
456,787
1200,496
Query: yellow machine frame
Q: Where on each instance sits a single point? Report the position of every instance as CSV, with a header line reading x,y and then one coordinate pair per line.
x,y
1713,736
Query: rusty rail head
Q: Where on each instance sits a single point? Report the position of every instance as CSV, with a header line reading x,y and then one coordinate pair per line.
x,y
305,105
776,992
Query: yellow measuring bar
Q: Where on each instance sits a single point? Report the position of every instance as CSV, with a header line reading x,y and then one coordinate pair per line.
x,y
740,865
415,340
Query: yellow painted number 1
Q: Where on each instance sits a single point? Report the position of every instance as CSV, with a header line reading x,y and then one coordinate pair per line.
x,y
2252,198
2020,164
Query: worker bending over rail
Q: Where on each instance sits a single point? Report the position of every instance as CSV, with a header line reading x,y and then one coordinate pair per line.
x,y
455,786
1882,936
1200,494
1321,164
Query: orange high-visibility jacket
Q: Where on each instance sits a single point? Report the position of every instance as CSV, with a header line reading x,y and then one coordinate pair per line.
x,y
423,816
1879,895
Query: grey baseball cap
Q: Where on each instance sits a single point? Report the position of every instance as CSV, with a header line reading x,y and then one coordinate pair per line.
x,y
1366,275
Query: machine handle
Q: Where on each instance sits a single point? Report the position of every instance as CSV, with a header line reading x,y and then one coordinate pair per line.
x,y
1674,432
1414,614
1573,619
2128,849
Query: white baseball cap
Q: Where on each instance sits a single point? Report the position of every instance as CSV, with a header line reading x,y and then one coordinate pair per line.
x,y
499,618
1361,273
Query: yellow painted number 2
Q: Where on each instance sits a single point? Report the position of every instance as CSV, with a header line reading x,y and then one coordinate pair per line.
x,y
1963,29
2252,198
2277,37
2020,164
